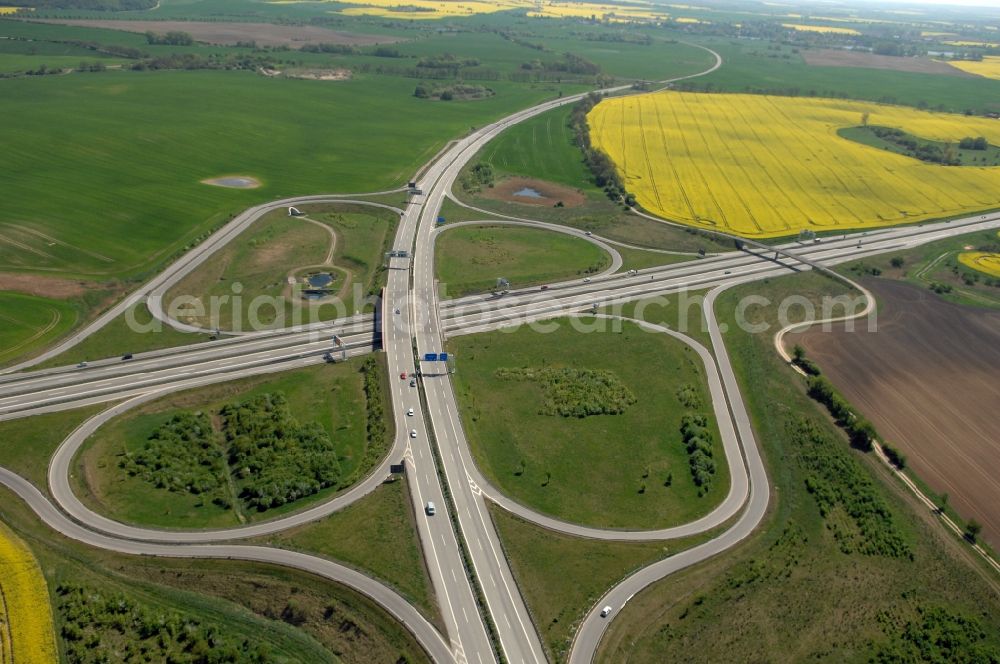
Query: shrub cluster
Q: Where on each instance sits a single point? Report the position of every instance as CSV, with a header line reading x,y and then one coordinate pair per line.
x,y
171,38
104,627
977,143
575,392
479,176
689,397
936,636
185,454
450,92
446,61
274,459
698,442
848,500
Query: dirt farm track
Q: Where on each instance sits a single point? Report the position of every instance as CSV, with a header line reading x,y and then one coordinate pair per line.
x,y
929,379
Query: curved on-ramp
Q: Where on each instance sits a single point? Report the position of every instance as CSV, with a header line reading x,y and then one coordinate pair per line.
x,y
739,486
389,600
60,467
156,295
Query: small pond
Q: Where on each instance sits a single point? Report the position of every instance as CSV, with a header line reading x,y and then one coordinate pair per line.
x,y
528,192
320,280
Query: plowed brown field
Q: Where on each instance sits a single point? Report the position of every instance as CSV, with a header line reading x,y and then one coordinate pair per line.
x,y
929,379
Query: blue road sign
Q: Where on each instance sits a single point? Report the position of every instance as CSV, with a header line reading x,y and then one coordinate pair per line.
x,y
430,357
440,220
443,357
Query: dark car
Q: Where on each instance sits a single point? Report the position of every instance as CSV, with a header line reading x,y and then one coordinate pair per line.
x,y
126,356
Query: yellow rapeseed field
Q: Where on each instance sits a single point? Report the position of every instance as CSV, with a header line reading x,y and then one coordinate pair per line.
x,y
820,28
12,10
437,9
761,166
981,261
431,9
989,67
26,632
982,44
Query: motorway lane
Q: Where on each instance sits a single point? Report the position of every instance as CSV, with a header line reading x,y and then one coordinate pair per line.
x,y
19,383
518,639
117,387
467,633
425,633
489,314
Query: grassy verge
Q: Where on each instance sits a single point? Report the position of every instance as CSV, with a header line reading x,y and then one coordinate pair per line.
x,y
561,577
330,396
377,534
297,617
471,258
615,456
637,259
886,567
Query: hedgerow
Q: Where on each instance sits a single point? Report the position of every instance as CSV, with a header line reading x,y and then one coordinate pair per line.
x,y
698,442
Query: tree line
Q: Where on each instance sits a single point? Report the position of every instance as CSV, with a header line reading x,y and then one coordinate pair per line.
x,y
601,167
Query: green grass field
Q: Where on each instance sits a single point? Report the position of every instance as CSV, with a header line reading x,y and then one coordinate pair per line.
x,y
761,599
753,66
28,322
627,470
241,600
542,148
378,534
330,395
85,200
471,258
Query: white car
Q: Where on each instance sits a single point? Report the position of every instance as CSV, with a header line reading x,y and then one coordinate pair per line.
x,y
586,280
606,611
409,413
413,433
430,509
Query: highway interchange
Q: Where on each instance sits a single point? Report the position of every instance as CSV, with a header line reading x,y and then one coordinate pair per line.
x,y
484,613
